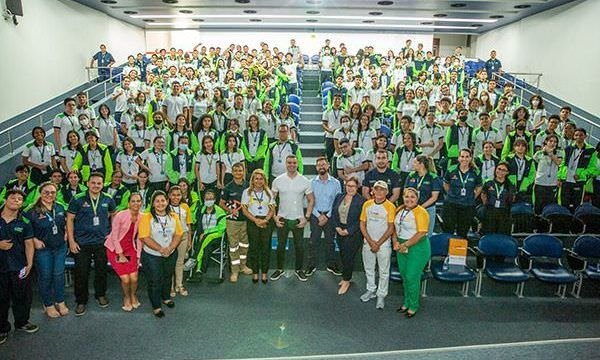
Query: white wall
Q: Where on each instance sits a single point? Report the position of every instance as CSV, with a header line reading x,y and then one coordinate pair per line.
x,y
559,43
310,43
46,53
449,42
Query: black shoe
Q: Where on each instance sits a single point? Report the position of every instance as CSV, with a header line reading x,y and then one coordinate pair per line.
x,y
169,303
402,309
29,328
300,275
264,281
255,280
409,315
102,302
159,314
3,338
310,271
334,270
80,310
276,275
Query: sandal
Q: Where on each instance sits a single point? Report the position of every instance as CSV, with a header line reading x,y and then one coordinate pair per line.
x,y
183,291
62,309
136,305
402,309
409,315
51,312
127,308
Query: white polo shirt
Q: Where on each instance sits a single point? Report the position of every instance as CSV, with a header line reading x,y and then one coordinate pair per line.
x,y
291,193
333,119
41,155
258,203
65,123
175,106
207,167
156,162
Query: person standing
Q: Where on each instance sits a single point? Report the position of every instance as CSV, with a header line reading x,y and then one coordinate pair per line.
x,y
179,207
382,172
325,188
578,165
88,224
331,122
345,216
154,161
413,250
377,226
123,249
237,236
548,160
493,65
292,189
258,205
498,196
39,156
16,261
425,180
277,153
48,219
160,231
94,157
105,60
65,122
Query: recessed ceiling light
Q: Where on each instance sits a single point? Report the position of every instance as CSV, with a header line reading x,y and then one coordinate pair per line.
x,y
311,20
249,11
130,12
242,1
523,6
148,20
186,11
198,20
385,3
313,12
496,16
458,5
108,1
255,20
313,2
375,13
477,25
170,1
440,15
368,21
427,23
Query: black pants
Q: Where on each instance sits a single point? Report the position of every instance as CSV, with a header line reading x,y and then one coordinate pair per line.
x,y
37,177
253,165
571,195
15,293
159,272
496,221
83,264
282,237
457,219
315,243
349,247
544,195
329,149
259,254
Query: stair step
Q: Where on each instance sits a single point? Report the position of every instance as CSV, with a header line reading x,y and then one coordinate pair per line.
x,y
311,107
310,126
312,150
311,116
311,100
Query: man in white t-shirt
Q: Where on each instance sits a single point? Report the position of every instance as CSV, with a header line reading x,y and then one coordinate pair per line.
x,y
176,104
65,122
292,189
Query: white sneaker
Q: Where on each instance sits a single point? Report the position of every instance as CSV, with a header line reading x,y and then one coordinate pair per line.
x,y
367,296
380,302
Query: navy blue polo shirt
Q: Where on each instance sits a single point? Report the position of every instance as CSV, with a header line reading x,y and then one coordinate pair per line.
x,y
43,224
103,59
471,181
18,231
86,233
389,176
426,184
491,188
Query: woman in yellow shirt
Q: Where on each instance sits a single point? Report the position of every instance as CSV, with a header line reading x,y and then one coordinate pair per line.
x,y
160,230
185,218
412,248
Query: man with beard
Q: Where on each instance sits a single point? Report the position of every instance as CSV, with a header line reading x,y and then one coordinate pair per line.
x,y
325,188
381,172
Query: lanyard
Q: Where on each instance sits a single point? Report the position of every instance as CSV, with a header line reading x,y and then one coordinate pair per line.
x,y
486,135
336,116
130,159
281,148
410,156
404,214
95,154
229,158
163,226
255,138
210,159
95,205
499,191
143,134
42,152
463,182
206,223
462,131
159,159
51,218
260,199
421,182
520,167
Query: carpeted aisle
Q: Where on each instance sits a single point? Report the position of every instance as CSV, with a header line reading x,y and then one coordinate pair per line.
x,y
290,318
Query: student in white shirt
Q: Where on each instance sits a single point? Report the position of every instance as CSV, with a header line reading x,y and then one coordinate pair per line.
x,y
39,156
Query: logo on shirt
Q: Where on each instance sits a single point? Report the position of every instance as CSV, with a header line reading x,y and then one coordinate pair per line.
x,y
85,204
18,229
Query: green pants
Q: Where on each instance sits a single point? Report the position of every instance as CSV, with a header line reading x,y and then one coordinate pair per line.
x,y
410,266
205,242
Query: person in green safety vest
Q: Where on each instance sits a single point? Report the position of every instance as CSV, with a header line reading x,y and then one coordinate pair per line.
x,y
211,222
118,191
519,133
458,137
180,162
521,172
94,157
22,183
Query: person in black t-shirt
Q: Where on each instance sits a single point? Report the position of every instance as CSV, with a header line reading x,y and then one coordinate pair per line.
x,y
382,172
236,222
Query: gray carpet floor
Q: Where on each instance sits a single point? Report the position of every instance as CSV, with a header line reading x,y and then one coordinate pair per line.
x,y
289,318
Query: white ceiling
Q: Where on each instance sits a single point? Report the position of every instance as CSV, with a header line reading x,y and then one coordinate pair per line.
x,y
440,16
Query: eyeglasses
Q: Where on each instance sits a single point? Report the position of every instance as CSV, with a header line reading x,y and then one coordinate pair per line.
x,y
48,192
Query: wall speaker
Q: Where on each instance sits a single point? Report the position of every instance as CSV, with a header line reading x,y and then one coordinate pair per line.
x,y
15,7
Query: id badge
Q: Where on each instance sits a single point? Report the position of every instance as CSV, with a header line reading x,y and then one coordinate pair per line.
x,y
54,230
497,204
463,192
96,221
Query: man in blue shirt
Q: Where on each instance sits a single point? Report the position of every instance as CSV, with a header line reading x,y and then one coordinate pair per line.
x,y
88,224
16,260
493,65
325,188
382,172
105,60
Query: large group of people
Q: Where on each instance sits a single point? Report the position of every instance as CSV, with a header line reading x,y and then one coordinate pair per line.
x,y
203,146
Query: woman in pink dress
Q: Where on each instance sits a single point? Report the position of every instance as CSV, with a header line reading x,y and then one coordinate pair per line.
x,y
123,250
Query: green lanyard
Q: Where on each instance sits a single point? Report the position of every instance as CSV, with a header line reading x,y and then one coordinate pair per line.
x,y
421,182
95,205
499,191
463,182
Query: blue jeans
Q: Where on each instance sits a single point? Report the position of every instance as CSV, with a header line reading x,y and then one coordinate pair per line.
x,y
432,218
50,263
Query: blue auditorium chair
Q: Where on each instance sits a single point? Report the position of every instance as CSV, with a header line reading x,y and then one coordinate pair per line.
x,y
396,277
561,220
305,58
294,99
522,218
498,254
315,59
385,130
544,253
441,270
589,215
295,108
584,259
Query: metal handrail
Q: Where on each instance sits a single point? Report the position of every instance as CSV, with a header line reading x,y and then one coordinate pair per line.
x,y
591,124
4,131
